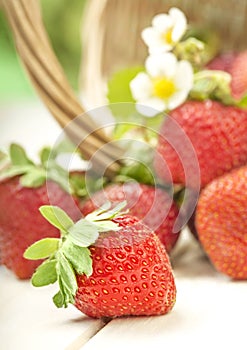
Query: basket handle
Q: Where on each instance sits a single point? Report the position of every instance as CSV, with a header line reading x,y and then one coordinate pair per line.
x,y
48,78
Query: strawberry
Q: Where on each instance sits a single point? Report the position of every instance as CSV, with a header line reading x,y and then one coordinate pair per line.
x,y
107,264
223,62
221,222
238,72
218,134
23,189
236,65
152,205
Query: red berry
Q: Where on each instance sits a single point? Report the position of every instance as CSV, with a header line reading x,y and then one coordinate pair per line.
x,y
222,62
153,205
21,223
221,222
218,134
131,274
236,65
238,72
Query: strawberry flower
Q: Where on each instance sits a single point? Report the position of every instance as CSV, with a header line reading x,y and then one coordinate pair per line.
x,y
166,31
164,86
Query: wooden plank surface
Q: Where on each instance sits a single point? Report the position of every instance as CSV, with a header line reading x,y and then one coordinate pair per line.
x,y
29,320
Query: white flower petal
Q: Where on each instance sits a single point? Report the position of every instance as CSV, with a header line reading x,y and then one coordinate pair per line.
x,y
154,40
184,76
149,35
161,65
151,106
162,47
179,23
141,86
162,22
177,99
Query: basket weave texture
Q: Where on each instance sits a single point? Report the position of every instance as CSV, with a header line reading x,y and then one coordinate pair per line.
x,y
111,39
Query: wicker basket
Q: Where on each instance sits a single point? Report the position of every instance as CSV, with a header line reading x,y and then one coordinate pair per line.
x,y
111,38
111,34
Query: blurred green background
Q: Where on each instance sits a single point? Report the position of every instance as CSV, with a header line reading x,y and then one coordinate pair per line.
x,y
62,20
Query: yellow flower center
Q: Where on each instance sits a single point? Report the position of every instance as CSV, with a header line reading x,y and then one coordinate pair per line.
x,y
168,36
163,87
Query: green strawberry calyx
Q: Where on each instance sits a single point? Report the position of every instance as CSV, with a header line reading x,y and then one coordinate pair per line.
x,y
35,175
70,254
215,85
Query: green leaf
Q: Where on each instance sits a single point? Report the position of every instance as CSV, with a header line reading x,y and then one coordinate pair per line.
x,y
42,249
15,170
139,172
119,91
45,274
44,155
18,155
58,175
79,257
106,206
3,156
65,292
78,184
58,299
57,217
83,233
34,178
106,225
243,102
67,275
212,84
106,214
118,85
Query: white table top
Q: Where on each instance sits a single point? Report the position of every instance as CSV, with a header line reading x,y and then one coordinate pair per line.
x,y
210,311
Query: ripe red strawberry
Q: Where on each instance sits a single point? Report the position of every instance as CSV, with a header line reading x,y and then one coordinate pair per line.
x,y
218,134
123,271
20,221
238,72
152,205
222,62
221,222
236,65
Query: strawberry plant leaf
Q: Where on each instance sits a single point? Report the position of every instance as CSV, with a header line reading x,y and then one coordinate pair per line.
x,y
45,155
15,170
34,178
212,84
79,257
137,171
57,217
3,155
45,274
58,299
243,102
42,249
118,85
58,175
106,225
67,277
119,91
83,233
78,184
93,216
107,215
18,155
